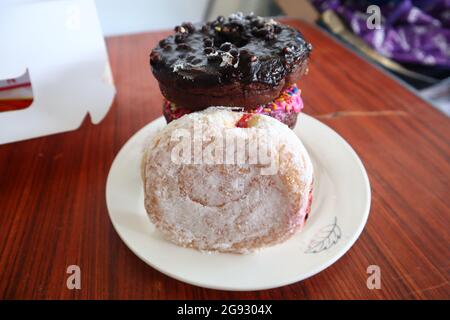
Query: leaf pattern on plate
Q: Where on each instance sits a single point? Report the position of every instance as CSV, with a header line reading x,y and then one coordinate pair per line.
x,y
325,238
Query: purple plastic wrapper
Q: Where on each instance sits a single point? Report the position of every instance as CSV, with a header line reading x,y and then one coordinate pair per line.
x,y
415,32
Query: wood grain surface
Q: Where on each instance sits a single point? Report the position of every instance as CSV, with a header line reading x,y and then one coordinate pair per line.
x,y
52,190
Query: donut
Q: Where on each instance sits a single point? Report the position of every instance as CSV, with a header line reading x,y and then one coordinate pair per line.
x,y
238,61
227,206
285,108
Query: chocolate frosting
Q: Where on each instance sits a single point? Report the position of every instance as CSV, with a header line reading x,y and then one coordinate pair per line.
x,y
241,48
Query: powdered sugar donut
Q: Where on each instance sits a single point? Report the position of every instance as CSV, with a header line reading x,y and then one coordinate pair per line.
x,y
227,181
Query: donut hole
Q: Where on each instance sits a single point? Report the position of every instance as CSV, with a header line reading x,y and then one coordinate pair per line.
x,y
236,42
235,38
231,32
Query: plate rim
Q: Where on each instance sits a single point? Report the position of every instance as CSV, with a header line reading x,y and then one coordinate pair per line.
x,y
302,276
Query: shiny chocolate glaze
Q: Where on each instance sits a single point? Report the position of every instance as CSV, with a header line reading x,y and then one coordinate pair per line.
x,y
244,49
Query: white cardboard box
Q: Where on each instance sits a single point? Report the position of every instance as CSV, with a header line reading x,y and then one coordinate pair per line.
x,y
60,44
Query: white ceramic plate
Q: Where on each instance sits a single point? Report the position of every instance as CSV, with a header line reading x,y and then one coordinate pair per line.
x,y
341,202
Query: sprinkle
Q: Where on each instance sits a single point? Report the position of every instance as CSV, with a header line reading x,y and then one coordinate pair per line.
x,y
257,110
288,101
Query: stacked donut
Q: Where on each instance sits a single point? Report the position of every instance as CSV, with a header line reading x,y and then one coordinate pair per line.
x,y
221,196
245,62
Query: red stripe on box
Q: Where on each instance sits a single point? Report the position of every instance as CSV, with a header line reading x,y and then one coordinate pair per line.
x,y
20,85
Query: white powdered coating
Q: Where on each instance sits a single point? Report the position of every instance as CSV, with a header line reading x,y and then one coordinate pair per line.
x,y
178,66
227,60
232,207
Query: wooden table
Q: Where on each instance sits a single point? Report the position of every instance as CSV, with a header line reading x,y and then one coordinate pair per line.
x,y
52,190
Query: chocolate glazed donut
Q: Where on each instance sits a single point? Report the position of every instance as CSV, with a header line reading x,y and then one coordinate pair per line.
x,y
239,61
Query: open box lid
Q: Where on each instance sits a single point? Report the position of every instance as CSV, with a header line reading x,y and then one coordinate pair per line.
x,y
61,46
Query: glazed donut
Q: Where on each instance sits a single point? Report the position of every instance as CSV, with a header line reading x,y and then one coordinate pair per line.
x,y
239,61
227,206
